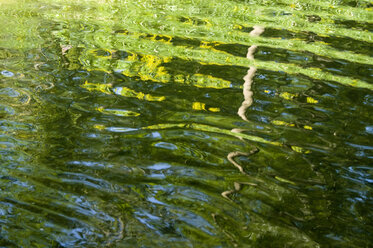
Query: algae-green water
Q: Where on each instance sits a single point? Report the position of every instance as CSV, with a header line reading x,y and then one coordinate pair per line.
x,y
196,123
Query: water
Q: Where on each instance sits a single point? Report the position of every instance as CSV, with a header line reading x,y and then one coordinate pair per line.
x,y
186,123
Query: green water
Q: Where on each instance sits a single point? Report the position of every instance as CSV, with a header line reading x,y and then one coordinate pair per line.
x,y
198,123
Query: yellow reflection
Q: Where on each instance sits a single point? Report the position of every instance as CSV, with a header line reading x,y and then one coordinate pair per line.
x,y
208,81
150,67
119,112
282,123
214,109
311,100
284,180
299,149
124,91
99,127
202,106
105,88
287,95
199,106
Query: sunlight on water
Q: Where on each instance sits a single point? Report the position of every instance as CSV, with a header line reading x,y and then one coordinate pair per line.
x,y
154,123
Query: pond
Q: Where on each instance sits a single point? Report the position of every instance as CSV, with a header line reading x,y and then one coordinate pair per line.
x,y
197,123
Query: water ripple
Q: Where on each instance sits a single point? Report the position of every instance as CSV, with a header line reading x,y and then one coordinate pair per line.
x,y
183,124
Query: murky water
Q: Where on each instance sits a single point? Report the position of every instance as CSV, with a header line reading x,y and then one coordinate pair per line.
x,y
198,123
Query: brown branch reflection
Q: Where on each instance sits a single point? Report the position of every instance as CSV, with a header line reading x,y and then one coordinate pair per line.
x,y
248,101
247,93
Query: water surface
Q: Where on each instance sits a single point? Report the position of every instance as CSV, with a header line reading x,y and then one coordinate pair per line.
x,y
198,123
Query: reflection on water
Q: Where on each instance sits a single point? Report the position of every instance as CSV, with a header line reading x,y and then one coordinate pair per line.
x,y
128,124
248,101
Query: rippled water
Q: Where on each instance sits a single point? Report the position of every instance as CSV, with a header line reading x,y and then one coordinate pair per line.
x,y
154,123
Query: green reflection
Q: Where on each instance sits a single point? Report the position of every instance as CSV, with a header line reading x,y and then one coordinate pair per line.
x,y
119,125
